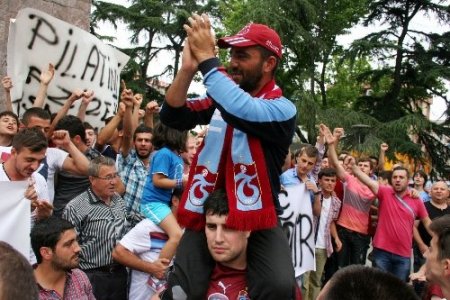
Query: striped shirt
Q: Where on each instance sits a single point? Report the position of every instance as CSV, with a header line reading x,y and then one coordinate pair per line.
x,y
98,225
77,287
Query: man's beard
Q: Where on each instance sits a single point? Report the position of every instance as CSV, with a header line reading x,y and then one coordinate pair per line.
x,y
250,83
58,264
250,79
143,156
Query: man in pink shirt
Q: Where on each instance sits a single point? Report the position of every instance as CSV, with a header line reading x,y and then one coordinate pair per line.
x,y
353,221
396,214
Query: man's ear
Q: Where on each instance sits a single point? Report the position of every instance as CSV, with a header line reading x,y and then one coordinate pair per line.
x,y
46,253
247,234
446,263
270,64
77,140
13,151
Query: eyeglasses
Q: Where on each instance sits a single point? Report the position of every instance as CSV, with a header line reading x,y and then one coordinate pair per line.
x,y
109,177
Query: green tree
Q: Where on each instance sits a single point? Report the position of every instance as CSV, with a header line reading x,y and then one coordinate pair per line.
x,y
155,26
414,66
308,30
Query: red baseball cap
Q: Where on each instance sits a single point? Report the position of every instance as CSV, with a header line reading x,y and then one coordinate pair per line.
x,y
251,35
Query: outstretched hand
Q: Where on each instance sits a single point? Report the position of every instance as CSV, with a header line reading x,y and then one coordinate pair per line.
x,y
7,83
47,75
326,133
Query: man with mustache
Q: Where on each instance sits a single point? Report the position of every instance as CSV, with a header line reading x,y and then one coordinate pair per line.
x,y
55,245
251,126
99,217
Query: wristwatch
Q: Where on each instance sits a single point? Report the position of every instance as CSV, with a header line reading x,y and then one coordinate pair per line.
x,y
317,193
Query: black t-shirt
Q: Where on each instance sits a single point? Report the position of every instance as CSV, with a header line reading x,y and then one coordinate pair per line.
x,y
433,213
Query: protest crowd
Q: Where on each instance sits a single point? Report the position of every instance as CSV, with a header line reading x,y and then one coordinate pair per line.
x,y
150,207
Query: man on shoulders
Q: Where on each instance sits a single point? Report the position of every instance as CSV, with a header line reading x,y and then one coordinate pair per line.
x,y
251,126
55,245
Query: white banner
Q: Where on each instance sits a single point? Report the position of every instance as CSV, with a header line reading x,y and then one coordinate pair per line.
x,y
15,216
297,222
80,59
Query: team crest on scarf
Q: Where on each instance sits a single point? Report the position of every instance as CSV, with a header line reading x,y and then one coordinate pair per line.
x,y
247,187
203,184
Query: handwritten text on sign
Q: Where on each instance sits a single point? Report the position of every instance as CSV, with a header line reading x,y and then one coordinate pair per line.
x,y
297,221
80,59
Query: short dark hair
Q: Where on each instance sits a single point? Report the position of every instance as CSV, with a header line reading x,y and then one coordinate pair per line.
x,y
441,227
309,150
423,174
73,125
359,282
401,169
266,53
164,136
46,233
31,138
386,175
35,112
88,125
327,172
10,114
217,203
17,279
142,128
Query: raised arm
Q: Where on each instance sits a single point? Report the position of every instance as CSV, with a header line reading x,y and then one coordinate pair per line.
x,y
7,85
108,131
88,96
137,101
127,140
76,95
45,78
177,92
381,158
365,179
76,162
332,155
150,109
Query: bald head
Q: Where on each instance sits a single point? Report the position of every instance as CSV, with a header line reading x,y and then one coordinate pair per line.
x,y
439,192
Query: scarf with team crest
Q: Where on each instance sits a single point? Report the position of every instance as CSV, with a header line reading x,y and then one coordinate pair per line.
x,y
233,160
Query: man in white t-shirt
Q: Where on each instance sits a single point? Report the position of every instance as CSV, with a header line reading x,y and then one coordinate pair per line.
x,y
70,160
27,151
139,250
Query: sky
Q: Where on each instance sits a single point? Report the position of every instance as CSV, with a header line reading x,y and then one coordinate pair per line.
x,y
421,22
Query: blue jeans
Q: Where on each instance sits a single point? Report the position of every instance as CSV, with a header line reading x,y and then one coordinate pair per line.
x,y
392,263
354,247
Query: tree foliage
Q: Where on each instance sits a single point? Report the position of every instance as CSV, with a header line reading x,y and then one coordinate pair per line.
x,y
154,26
414,68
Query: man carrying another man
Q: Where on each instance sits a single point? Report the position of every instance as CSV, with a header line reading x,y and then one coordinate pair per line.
x,y
251,128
